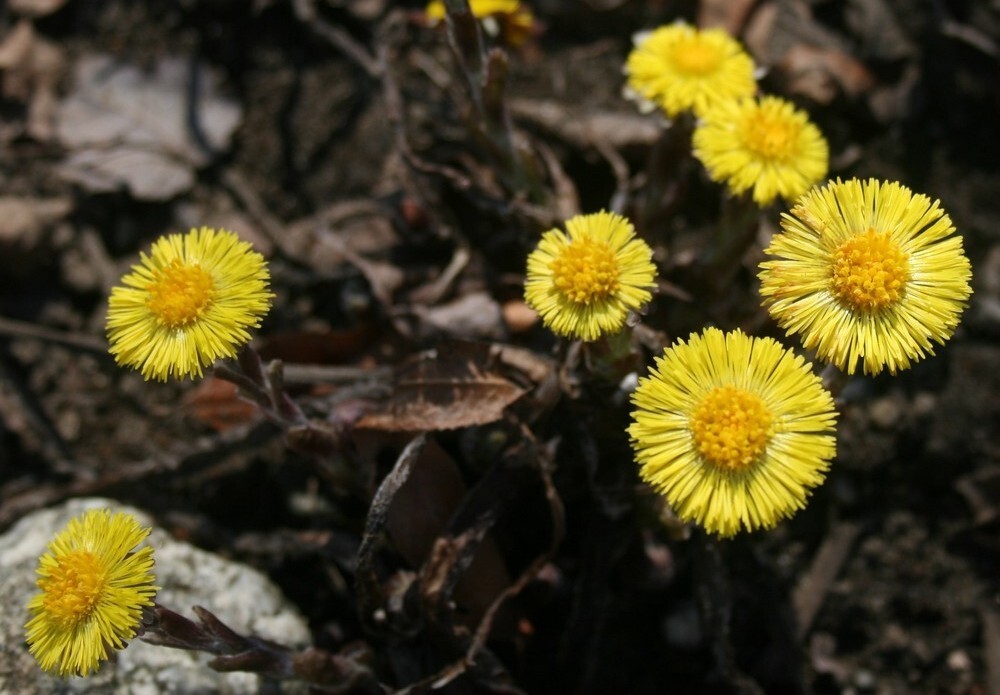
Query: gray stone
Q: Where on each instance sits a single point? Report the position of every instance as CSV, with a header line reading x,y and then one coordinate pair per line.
x,y
240,596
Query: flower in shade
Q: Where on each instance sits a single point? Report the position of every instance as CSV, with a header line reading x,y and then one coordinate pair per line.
x,y
94,584
866,271
188,303
681,68
734,431
766,146
512,20
585,281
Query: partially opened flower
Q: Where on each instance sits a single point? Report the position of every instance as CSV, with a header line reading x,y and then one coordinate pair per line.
x,y
512,20
585,281
681,68
734,431
765,146
188,303
94,582
867,271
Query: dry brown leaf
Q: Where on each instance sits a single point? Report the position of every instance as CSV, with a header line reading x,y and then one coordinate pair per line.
x,y
759,30
23,219
318,345
32,67
475,315
35,8
615,129
361,225
423,506
420,515
820,73
730,15
518,316
25,232
14,56
127,128
453,386
215,403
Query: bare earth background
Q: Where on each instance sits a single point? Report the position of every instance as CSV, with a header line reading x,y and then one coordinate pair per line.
x,y
334,136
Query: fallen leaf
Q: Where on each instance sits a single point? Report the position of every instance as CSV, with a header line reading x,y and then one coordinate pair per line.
x,y
32,68
730,15
215,403
475,315
25,232
23,219
453,386
418,524
318,345
518,316
617,129
35,8
129,128
820,73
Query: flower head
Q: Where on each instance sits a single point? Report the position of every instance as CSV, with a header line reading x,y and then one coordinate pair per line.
x,y
512,20
766,146
584,281
867,271
734,431
94,585
188,303
681,68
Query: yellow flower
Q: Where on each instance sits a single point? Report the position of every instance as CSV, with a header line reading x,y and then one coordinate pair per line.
x,y
94,585
511,19
766,146
188,303
867,271
585,281
734,431
681,68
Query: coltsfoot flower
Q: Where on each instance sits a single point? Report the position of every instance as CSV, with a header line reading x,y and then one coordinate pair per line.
x,y
765,146
94,584
867,271
512,20
734,431
585,281
681,68
188,303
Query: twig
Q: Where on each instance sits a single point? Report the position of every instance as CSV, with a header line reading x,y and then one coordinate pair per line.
x,y
305,10
127,476
53,447
394,111
23,329
812,588
991,649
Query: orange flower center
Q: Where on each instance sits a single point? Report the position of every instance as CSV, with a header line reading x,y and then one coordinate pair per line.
x,y
73,588
180,293
770,135
696,57
586,271
869,272
731,428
